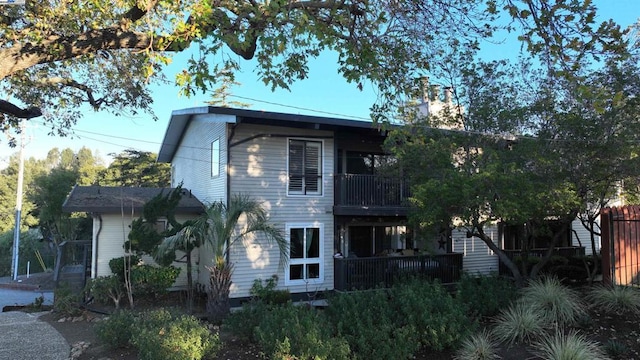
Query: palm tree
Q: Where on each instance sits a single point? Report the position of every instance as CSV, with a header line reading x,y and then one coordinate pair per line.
x,y
222,226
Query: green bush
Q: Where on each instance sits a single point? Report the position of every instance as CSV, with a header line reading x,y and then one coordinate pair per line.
x,y
267,293
437,318
105,289
153,281
299,332
116,330
485,296
159,334
117,265
243,322
371,326
66,302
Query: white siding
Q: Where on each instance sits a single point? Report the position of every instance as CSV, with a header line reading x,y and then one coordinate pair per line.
x,y
258,168
191,163
110,242
477,257
581,237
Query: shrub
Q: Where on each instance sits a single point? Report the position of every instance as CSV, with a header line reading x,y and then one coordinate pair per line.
x,y
65,301
267,293
485,296
570,346
519,323
161,335
299,332
478,346
116,330
559,304
370,326
615,299
153,280
117,265
438,319
243,322
105,289
616,348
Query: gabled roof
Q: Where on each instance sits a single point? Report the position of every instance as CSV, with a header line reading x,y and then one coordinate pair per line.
x,y
180,120
114,199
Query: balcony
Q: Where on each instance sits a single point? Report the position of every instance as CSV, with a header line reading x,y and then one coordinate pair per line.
x,y
368,273
372,195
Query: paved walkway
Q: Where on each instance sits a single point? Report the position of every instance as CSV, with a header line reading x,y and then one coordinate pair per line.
x,y
24,337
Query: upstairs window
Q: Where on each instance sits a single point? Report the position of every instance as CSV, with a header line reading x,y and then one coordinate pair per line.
x,y
305,167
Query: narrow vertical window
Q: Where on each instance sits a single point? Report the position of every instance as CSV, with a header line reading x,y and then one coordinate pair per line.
x,y
305,167
215,158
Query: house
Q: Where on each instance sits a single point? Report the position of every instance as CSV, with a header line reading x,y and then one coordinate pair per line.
x,y
112,210
328,183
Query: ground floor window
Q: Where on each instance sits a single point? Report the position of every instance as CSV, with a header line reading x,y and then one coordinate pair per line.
x,y
305,254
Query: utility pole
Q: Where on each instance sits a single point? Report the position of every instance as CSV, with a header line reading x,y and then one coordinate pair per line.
x,y
16,231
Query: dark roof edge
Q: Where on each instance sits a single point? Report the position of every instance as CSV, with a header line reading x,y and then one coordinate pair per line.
x,y
180,119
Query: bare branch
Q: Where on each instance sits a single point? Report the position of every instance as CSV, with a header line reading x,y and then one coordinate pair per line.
x,y
74,84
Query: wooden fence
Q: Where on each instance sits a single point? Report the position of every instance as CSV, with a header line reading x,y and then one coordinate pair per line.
x,y
621,245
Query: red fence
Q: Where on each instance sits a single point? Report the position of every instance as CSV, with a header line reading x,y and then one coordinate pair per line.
x,y
621,245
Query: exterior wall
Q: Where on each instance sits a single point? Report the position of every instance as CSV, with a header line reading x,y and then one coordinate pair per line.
x,y
191,164
477,258
258,168
110,243
582,237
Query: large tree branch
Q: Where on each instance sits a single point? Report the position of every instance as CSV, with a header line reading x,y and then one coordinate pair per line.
x,y
13,110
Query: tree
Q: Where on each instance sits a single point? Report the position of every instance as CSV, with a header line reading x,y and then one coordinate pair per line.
x,y
220,95
224,226
8,191
535,146
57,56
137,168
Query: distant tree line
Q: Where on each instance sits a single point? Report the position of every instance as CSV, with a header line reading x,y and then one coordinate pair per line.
x,y
47,182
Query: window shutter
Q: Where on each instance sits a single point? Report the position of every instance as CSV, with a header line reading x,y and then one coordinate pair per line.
x,y
296,168
312,168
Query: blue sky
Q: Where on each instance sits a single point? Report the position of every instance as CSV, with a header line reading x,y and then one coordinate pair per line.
x,y
324,93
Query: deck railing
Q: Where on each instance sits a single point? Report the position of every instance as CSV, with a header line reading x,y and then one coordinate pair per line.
x,y
567,251
372,272
370,190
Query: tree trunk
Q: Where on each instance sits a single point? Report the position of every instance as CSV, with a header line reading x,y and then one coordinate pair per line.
x,y
189,283
218,306
519,280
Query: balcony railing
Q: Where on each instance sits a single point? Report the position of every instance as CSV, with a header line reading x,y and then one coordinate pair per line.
x,y
369,273
516,255
370,190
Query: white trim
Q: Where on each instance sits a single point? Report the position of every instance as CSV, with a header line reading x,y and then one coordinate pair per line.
x,y
303,261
